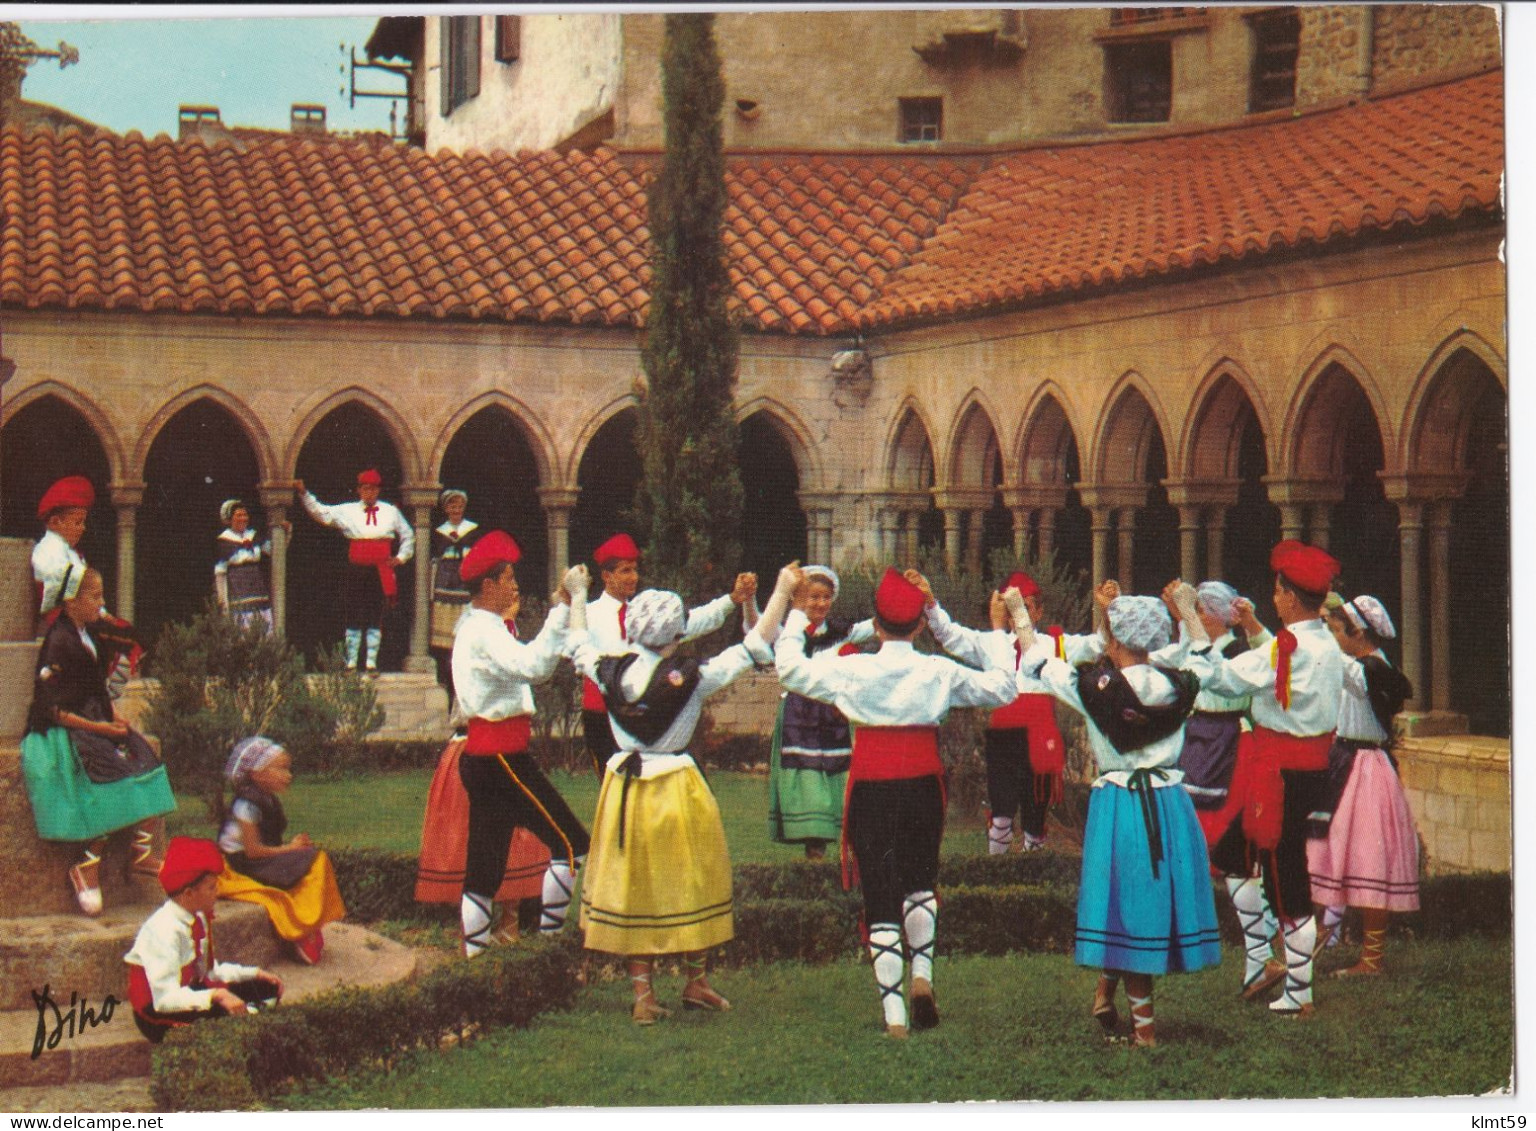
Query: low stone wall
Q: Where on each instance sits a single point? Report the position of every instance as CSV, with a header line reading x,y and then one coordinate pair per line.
x,y
748,706
1458,788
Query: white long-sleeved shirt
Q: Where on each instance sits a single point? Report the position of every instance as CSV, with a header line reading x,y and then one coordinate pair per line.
x,y
493,671
1317,680
352,520
969,644
603,622
896,686
53,559
668,753
164,946
1356,719
1175,654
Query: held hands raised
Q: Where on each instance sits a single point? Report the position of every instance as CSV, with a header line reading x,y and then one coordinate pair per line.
x,y
1018,614
575,583
745,587
1179,596
917,579
791,583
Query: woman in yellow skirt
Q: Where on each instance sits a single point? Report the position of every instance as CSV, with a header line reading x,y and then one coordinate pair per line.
x,y
292,879
659,876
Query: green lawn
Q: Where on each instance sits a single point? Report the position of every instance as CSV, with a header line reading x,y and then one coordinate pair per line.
x,y
1014,1028
384,811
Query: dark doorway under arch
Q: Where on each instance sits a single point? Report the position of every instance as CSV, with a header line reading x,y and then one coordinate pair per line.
x,y
1252,526
607,475
491,459
1155,544
773,527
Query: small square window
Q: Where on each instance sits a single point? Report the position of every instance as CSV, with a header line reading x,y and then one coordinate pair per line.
x,y
922,119
1139,80
1276,44
460,60
509,38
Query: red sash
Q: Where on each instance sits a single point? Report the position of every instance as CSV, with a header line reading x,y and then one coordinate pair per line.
x,y
377,552
499,736
893,753
1258,791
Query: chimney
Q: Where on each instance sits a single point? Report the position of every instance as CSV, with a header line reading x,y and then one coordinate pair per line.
x,y
201,121
307,118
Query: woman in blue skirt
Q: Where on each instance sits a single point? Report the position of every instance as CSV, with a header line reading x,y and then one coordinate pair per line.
x,y
1144,905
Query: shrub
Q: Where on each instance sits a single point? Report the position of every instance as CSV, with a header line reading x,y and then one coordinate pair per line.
x,y
219,683
244,1062
352,700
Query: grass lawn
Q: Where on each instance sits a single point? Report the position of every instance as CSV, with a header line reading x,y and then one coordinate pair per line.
x,y
384,811
1014,1028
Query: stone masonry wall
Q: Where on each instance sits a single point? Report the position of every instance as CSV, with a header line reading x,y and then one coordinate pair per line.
x,y
1333,61
1458,789
1431,39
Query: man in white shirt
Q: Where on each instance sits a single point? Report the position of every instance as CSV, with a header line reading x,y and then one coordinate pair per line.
x,y
378,541
618,564
56,564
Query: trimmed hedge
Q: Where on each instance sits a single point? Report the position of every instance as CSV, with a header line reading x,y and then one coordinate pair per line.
x,y
246,1062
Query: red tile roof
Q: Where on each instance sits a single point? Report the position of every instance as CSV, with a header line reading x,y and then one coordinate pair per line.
x,y
289,225
1065,218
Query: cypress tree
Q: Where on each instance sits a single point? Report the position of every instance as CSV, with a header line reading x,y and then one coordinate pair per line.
x,y
689,500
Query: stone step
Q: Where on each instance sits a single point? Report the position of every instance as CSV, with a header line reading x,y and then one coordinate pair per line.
x,y
115,1051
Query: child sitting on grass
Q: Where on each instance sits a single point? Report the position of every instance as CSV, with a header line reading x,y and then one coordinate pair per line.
x,y
293,880
173,979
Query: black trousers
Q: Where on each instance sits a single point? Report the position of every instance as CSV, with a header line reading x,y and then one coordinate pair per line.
x,y
508,792
155,1025
1010,779
894,829
1287,880
598,734
362,597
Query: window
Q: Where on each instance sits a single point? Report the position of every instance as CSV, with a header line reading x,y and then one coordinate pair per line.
x,y
460,60
1139,80
1126,17
1276,43
922,119
509,38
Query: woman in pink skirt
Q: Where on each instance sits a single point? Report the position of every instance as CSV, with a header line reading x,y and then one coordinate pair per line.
x,y
1369,856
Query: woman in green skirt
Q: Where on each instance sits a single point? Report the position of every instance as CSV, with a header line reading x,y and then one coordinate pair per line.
x,y
87,773
808,768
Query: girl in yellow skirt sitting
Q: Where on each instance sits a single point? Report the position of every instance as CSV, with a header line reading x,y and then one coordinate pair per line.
x,y
292,879
659,876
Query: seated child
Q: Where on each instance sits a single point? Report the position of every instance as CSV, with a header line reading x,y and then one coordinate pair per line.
x,y
294,881
172,977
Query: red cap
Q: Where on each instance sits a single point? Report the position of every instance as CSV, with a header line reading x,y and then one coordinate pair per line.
x,y
619,548
1305,567
187,860
369,478
897,600
492,550
1026,585
71,491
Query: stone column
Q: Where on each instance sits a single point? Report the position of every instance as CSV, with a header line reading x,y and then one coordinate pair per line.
x,y
890,533
126,497
1215,536
1047,532
275,500
952,539
1021,532
1440,598
906,536
1125,530
418,503
1189,544
973,542
1409,528
1101,527
558,502
1291,524
1320,525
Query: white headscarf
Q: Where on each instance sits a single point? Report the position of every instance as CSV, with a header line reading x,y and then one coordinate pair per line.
x,y
248,756
821,573
655,618
1217,597
227,510
1140,623
452,493
1368,612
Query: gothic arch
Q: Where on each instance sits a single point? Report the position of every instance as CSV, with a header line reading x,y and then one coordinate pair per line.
x,y
909,462
1445,395
534,433
238,410
589,430
394,425
1212,439
1313,440
796,435
972,445
1046,436
1127,434
100,424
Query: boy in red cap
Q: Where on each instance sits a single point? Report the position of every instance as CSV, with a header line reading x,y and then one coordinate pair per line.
x,y
618,564
56,563
895,698
1023,748
1281,774
378,540
173,979
494,673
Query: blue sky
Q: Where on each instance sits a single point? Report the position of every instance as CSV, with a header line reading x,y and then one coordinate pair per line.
x,y
133,74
